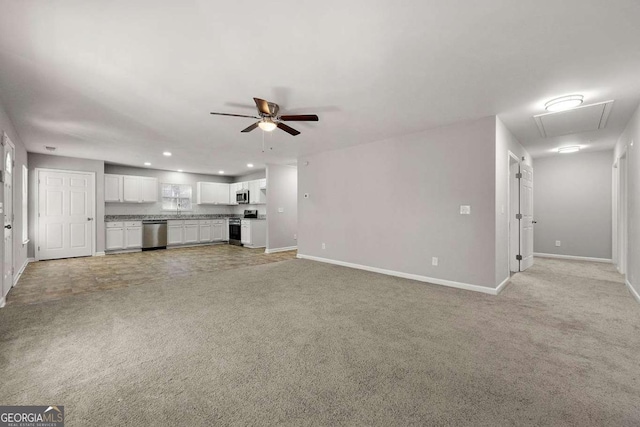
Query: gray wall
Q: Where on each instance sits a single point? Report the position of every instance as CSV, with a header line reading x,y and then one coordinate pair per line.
x,y
45,161
19,248
282,192
572,203
505,143
164,177
629,136
394,204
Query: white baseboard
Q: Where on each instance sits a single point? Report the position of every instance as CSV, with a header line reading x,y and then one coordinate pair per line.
x,y
21,270
633,291
502,285
99,254
273,251
575,258
432,280
2,302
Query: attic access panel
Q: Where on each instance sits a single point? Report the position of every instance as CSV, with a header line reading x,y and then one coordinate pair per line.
x,y
581,119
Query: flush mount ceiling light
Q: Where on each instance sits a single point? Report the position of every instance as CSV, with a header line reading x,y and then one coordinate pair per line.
x,y
221,172
147,164
249,165
267,125
564,103
166,153
569,149
180,170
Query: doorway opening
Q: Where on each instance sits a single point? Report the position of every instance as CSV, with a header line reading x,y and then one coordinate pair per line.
x,y
620,214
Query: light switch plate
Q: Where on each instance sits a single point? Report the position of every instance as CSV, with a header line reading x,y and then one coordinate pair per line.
x,y
280,210
465,210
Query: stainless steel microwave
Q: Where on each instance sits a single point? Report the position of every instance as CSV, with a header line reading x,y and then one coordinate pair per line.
x,y
242,197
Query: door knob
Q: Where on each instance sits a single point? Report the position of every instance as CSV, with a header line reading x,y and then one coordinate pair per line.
x,y
89,219
534,222
8,227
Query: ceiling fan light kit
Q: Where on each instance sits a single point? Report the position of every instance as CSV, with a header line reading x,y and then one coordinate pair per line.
x,y
269,118
267,125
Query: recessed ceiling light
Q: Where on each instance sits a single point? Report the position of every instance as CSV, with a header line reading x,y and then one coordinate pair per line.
x,y
249,165
221,172
147,164
267,125
179,170
166,153
569,149
564,103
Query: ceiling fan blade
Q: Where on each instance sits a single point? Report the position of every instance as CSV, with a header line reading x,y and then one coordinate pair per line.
x,y
234,115
263,106
299,118
250,128
288,129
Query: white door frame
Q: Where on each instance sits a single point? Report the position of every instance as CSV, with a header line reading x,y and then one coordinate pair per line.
x,y
7,141
621,212
37,221
513,233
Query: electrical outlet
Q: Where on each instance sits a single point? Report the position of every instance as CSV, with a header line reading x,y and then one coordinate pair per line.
x,y
558,243
465,210
434,260
280,210
324,246
295,236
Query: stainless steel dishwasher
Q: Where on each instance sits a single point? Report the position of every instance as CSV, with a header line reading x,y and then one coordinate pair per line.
x,y
154,234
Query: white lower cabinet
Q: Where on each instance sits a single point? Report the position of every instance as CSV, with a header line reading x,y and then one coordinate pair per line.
x,y
115,236
123,235
191,231
220,230
253,233
205,231
174,232
133,235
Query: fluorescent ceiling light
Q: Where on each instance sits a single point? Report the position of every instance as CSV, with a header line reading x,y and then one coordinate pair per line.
x,y
221,172
166,153
249,165
147,164
267,125
564,103
569,149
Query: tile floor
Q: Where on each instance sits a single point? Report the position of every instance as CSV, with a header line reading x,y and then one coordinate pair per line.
x,y
56,279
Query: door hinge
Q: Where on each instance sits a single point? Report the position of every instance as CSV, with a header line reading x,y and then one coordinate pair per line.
x,y
519,257
38,247
518,216
519,175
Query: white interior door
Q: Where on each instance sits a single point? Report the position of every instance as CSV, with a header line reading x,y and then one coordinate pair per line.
x,y
526,222
7,266
514,210
65,214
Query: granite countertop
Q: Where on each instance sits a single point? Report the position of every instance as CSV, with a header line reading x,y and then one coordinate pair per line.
x,y
108,218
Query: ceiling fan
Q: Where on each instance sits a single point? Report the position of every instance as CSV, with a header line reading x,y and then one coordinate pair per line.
x,y
269,118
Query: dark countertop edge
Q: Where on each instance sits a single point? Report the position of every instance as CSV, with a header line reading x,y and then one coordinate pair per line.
x,y
118,218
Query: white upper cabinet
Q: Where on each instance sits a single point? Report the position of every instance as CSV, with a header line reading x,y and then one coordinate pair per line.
x,y
130,189
263,184
233,188
213,193
148,190
112,188
257,193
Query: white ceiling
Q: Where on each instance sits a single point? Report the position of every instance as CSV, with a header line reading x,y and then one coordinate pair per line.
x,y
122,81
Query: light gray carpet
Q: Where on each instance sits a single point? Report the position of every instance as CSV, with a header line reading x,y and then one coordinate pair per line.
x,y
304,343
